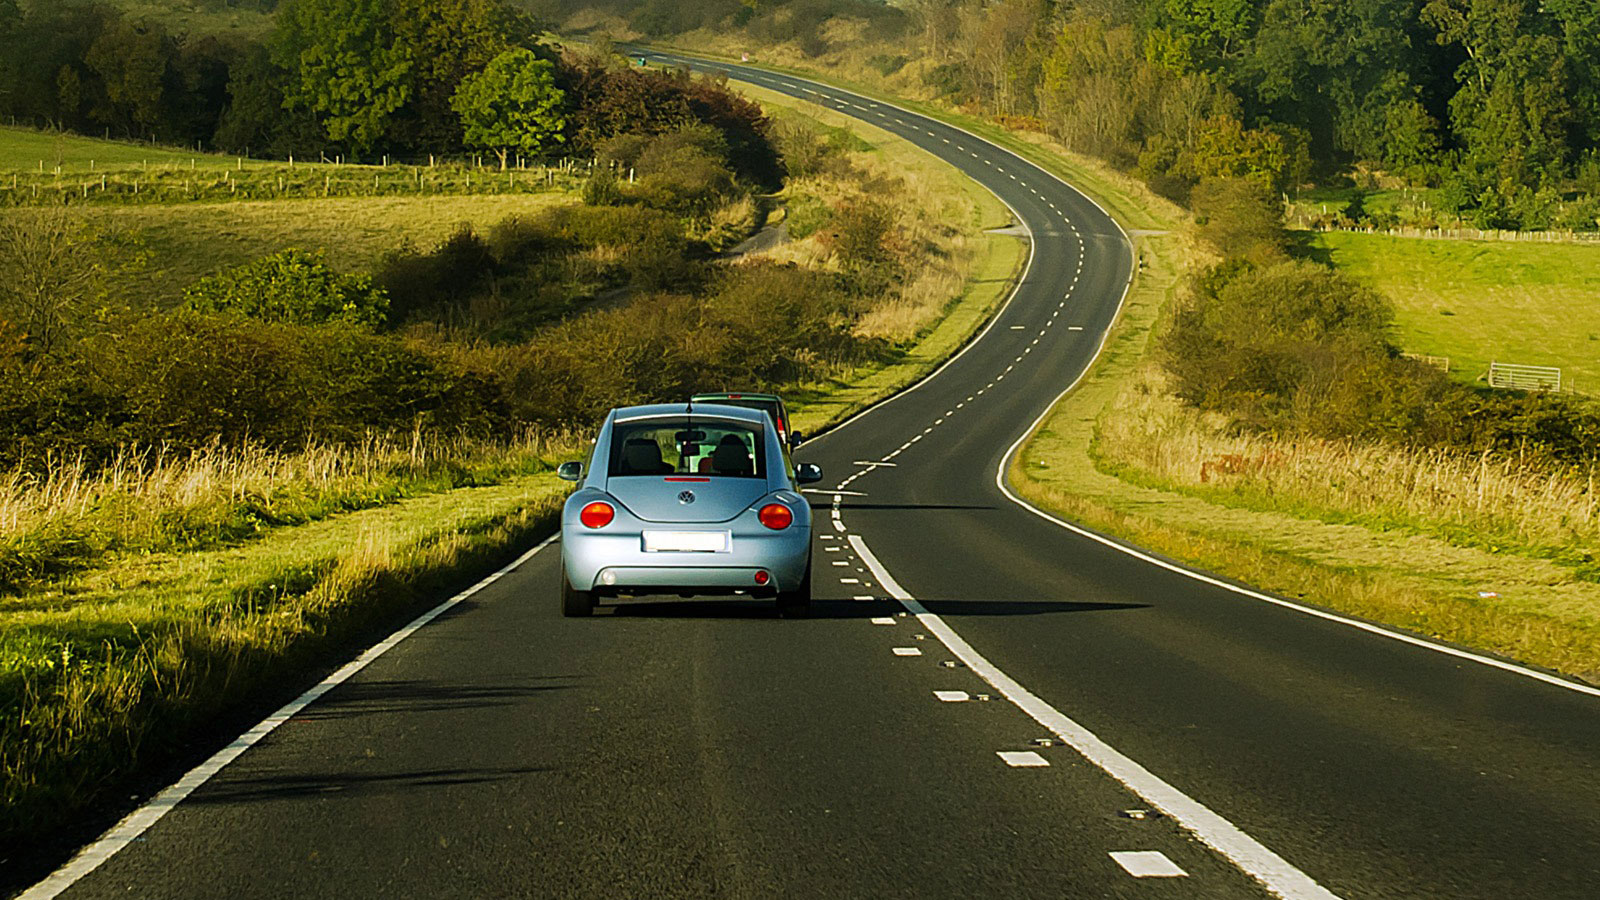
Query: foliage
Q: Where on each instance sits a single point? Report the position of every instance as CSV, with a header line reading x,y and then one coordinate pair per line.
x,y
294,286
52,268
1241,217
347,66
512,104
609,102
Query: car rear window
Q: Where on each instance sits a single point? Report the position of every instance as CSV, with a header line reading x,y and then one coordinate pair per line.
x,y
686,447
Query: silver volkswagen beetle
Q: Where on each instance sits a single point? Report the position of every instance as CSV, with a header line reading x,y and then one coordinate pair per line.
x,y
686,499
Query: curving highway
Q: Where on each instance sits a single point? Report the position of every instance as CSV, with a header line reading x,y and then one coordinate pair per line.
x,y
986,702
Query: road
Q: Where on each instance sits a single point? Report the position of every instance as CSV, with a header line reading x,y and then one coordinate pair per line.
x,y
710,749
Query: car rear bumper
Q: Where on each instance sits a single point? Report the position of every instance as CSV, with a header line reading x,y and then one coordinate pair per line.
x,y
619,564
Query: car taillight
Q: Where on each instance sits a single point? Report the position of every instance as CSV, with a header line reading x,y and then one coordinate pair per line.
x,y
597,515
775,516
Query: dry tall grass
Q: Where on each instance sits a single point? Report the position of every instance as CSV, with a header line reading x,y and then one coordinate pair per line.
x,y
939,256
68,515
1478,501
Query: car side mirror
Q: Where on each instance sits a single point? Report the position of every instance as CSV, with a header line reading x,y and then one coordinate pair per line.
x,y
570,471
795,438
807,473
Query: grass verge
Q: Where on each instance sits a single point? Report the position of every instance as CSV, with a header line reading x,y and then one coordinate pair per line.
x,y
116,670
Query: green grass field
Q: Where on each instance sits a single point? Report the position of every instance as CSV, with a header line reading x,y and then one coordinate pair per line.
x,y
24,150
185,242
189,17
1481,301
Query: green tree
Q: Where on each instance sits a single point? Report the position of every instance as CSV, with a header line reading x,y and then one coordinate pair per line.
x,y
1513,111
1217,31
351,70
450,40
1226,149
295,286
513,104
131,60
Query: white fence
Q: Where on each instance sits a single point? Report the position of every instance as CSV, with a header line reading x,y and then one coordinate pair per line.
x,y
1525,378
1438,362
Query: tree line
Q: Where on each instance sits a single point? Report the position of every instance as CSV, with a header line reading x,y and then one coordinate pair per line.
x,y
361,78
1494,102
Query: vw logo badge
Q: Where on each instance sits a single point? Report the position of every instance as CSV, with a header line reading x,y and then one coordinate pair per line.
x,y
686,497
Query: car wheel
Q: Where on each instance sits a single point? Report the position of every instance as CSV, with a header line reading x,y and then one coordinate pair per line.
x,y
573,601
796,604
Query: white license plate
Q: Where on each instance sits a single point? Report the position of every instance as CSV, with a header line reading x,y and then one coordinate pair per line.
x,y
686,541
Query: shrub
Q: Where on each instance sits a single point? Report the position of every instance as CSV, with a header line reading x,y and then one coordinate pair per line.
x,y
807,214
1284,348
295,286
1241,217
427,284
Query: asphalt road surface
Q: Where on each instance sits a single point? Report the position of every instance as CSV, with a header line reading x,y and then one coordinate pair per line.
x,y
985,703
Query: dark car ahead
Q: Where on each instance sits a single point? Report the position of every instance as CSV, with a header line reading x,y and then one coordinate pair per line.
x,y
771,404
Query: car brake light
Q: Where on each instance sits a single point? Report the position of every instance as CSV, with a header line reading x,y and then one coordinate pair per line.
x,y
775,516
762,577
597,515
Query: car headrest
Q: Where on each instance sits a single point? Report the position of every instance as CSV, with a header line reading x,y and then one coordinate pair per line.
x,y
731,457
641,456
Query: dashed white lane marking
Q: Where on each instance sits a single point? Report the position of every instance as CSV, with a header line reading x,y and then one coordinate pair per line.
x,y
841,562
838,526
917,438
862,597
930,134
928,430
883,620
952,696
907,651
140,820
1074,327
1022,759
873,462
1147,864
835,548
849,581
951,412
825,537
1018,327
938,421
1254,858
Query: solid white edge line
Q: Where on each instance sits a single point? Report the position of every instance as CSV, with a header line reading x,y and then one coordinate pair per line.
x,y
1251,856
139,821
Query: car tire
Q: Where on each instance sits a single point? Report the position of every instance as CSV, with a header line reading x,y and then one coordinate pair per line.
x,y
796,604
573,601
